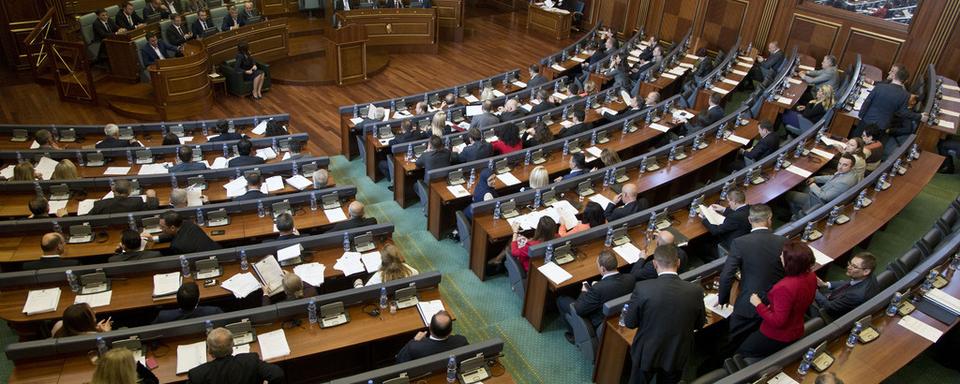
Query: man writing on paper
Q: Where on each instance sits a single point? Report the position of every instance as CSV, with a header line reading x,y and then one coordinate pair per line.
x,y
243,368
440,340
589,304
844,295
735,221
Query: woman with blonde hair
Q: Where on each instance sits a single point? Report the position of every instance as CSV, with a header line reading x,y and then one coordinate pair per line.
x,y
438,126
539,177
65,170
609,157
118,366
392,266
25,172
803,117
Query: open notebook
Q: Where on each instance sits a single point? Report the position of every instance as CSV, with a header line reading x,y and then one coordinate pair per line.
x,y
270,274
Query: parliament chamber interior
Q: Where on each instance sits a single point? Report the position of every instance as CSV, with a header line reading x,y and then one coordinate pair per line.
x,y
558,191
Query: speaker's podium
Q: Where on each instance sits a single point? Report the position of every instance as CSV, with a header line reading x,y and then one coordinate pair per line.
x,y
347,53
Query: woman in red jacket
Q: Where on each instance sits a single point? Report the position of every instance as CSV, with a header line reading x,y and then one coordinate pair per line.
x,y
787,302
520,246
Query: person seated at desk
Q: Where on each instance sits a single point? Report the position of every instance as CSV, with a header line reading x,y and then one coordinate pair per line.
x,y
157,49
245,62
80,319
188,301
579,126
436,156
51,247
821,189
170,139
131,248
826,75
649,102
609,157
224,134
798,120
786,303
735,223
626,203
254,181
185,154
591,216
275,128
122,202
103,28
197,5
478,148
40,208
408,132
483,191
392,267
645,270
768,143
508,139
111,133
25,172
573,91
450,101
127,19
539,177
183,236
248,12
511,110
536,79
705,118
578,166
767,66
285,228
357,218
855,148
872,146
179,198
203,23
244,148
589,304
843,296
520,245
225,367
293,289
440,339
177,33
65,170
647,53
438,125
232,20
542,102
538,134
485,119
420,108
156,7
119,366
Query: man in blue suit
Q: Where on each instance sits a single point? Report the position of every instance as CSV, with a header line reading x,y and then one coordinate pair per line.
x,y
886,101
157,49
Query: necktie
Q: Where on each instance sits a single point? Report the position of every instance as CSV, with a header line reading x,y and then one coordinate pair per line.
x,y
203,25
836,292
130,20
107,26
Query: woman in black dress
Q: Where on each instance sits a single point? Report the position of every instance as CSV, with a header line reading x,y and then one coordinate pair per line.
x,y
250,71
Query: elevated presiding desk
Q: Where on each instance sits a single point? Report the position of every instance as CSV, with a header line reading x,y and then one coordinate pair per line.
x,y
403,29
553,22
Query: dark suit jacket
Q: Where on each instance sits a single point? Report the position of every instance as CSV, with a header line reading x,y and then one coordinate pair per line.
x,y
772,62
198,28
175,38
542,107
281,238
49,262
169,315
113,142
123,205
735,224
536,81
666,311
149,10
884,102
478,150
229,23
100,31
150,56
843,298
574,173
710,116
355,222
122,22
482,120
426,347
643,269
187,167
245,160
252,194
507,116
245,368
757,256
573,130
434,159
130,256
590,303
244,17
189,239
407,137
230,136
764,147
613,212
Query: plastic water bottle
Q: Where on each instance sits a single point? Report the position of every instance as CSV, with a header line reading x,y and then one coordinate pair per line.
x,y
56,226
383,298
608,241
244,264
200,220
626,126
490,164
231,126
131,222
894,304
593,138
356,111
643,165
623,315
312,311
163,129
409,152
274,145
208,326
294,169
173,181
527,158
226,151
452,369
566,147
854,333
313,201
807,230
548,255
954,262
804,367
19,157
496,211
261,211
834,214
536,199
693,208
779,164
38,189
880,182
79,158
184,266
101,346
203,128
346,242
473,177
72,280
858,205
928,282
129,157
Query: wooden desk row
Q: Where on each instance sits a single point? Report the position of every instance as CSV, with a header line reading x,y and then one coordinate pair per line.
x,y
772,109
947,95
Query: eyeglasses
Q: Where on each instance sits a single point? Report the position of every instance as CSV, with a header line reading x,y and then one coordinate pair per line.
x,y
850,264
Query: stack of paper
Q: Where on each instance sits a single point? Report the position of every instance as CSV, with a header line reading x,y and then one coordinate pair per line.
x,y
335,214
520,84
713,217
920,328
42,301
356,120
567,213
669,75
310,273
799,171
471,98
508,179
731,82
236,187
290,252
185,139
822,153
371,260
600,199
350,263
85,206
719,90
782,378
116,171
566,123
241,284
299,182
101,299
738,139
820,257
194,197
458,191
7,172
190,356
270,273
238,349
166,284
274,183
261,128
629,252
944,300
219,163
153,169
273,345
558,67
56,205
605,111
710,301
427,309
659,127
266,153
46,166
555,273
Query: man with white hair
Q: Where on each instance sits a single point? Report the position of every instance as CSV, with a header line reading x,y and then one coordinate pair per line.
x,y
511,110
225,367
112,139
356,219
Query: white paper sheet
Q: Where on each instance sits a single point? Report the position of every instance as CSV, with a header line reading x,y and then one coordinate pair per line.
x,y
7,172
85,206
799,171
713,217
920,328
153,169
473,110
738,139
729,81
101,299
558,67
42,301
820,257
555,273
739,72
710,301
782,378
794,80
116,171
194,197
471,99
822,153
350,263
241,284
427,309
520,84
508,179
261,128
659,127
311,273
290,252
56,205
46,166
335,214
600,199
166,283
273,345
190,356
371,261
266,153
458,190
951,98
238,349
274,183
356,120
784,100
566,123
219,163
629,252
270,273
946,124
299,182
719,90
668,75
831,142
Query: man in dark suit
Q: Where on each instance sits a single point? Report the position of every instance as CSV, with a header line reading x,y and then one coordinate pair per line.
x,y
647,53
439,340
177,33
224,134
578,166
244,148
544,102
735,221
185,154
225,367
111,139
188,300
574,91
436,156
477,149
577,118
767,65
202,23
511,110
254,180
127,19
485,119
184,236
536,79
103,27
356,220
122,202
409,132
589,304
248,12
51,244
343,5
886,101
712,114
626,203
645,270
156,7
845,295
757,256
232,20
157,49
636,105
131,248
769,143
285,228
666,312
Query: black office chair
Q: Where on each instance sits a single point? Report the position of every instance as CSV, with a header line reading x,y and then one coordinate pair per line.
x,y
903,265
578,16
516,275
930,241
885,279
813,325
584,335
948,220
463,228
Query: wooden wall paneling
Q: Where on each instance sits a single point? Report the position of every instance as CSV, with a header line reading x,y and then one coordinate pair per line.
x,y
614,14
936,41
875,49
811,35
949,63
17,19
676,18
723,21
